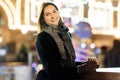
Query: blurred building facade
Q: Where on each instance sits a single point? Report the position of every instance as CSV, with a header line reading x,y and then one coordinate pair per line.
x,y
18,22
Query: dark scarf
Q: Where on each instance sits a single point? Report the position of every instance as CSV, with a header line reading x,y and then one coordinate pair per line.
x,y
62,38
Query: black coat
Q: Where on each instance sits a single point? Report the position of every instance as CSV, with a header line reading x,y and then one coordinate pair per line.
x,y
51,59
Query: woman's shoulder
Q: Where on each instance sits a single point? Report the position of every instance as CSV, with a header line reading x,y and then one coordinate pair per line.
x,y
44,36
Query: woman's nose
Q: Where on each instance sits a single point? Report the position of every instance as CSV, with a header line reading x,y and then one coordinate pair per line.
x,y
52,16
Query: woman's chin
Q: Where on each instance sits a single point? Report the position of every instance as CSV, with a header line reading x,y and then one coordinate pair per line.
x,y
53,24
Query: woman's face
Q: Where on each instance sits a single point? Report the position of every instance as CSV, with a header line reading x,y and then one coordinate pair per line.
x,y
51,15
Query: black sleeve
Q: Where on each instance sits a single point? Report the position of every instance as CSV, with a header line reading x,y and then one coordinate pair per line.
x,y
50,57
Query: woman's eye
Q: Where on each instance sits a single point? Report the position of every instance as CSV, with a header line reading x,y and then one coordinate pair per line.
x,y
54,11
47,14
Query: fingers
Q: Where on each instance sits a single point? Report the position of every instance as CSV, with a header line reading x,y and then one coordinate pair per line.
x,y
90,65
92,59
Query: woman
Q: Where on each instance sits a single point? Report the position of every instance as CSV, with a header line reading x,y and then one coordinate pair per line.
x,y
55,47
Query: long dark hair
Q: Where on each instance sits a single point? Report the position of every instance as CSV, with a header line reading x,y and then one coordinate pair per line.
x,y
41,20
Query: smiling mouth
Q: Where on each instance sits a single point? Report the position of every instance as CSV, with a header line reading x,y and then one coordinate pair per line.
x,y
53,20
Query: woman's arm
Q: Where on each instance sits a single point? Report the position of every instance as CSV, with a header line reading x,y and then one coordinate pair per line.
x,y
50,57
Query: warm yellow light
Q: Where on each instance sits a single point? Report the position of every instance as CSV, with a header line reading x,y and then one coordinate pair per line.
x,y
117,33
9,14
14,11
1,39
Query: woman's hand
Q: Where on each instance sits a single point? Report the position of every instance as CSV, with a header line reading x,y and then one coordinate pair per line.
x,y
90,65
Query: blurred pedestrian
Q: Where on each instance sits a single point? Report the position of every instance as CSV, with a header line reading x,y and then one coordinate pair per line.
x,y
112,58
101,56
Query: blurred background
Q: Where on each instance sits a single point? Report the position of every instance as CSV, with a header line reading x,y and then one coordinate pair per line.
x,y
94,25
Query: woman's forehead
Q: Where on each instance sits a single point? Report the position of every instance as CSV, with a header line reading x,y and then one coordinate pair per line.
x,y
49,8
